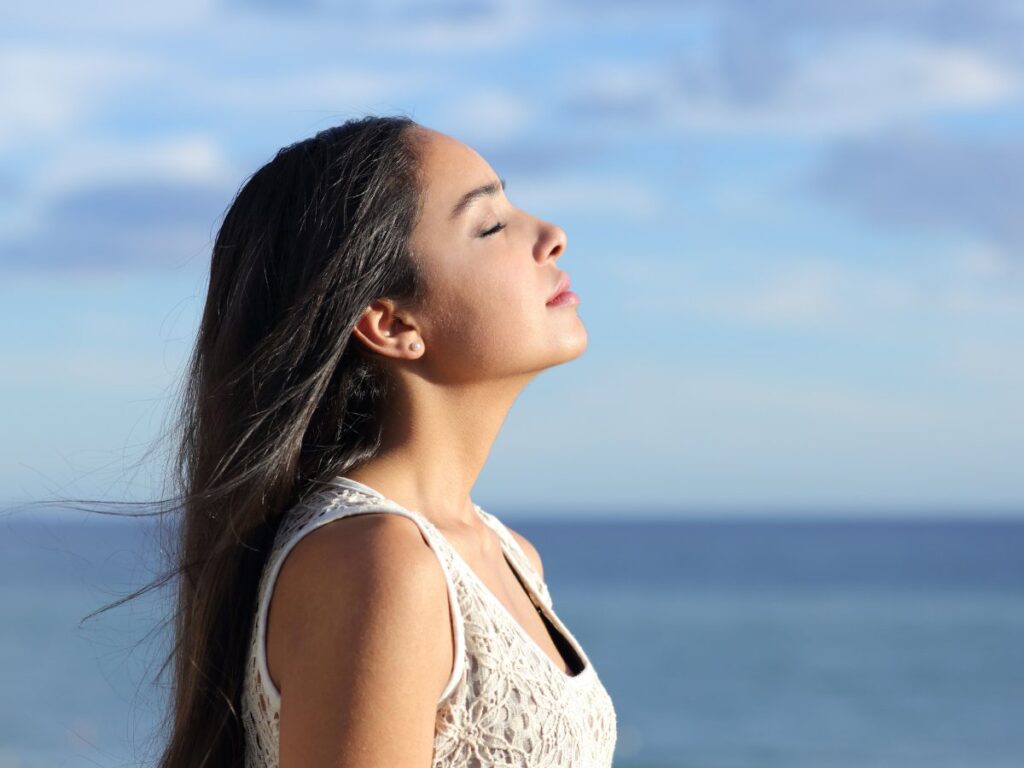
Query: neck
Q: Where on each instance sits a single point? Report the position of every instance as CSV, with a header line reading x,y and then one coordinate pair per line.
x,y
436,439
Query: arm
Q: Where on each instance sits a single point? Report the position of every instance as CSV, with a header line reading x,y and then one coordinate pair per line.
x,y
362,645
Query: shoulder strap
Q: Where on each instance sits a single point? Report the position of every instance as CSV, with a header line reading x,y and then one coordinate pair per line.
x,y
524,562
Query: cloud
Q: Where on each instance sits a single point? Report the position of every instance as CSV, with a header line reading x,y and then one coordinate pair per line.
x,y
622,198
93,367
491,114
540,158
75,169
989,362
855,86
798,294
800,67
345,90
821,293
443,10
845,87
436,26
995,27
142,225
800,297
992,262
796,434
190,158
616,89
54,89
110,16
930,182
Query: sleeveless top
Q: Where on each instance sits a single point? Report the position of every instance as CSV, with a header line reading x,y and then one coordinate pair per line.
x,y
506,702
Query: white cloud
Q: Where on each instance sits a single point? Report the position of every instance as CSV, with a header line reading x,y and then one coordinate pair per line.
x,y
981,281
442,29
489,115
107,16
819,292
47,92
991,261
854,86
95,367
331,90
805,293
732,433
617,198
989,361
803,296
850,86
82,164
984,300
195,158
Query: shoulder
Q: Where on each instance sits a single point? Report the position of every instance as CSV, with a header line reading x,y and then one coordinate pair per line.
x,y
530,550
362,539
359,559
362,642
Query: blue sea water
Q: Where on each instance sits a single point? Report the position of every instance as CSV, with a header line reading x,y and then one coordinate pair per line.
x,y
723,643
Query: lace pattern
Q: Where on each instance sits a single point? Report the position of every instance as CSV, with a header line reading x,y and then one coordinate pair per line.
x,y
506,702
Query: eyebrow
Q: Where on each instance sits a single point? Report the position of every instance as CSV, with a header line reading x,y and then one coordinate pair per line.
x,y
475,194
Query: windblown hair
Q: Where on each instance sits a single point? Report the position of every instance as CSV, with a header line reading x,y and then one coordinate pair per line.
x,y
278,396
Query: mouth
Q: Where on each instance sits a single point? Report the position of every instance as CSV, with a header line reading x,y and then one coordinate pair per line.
x,y
561,290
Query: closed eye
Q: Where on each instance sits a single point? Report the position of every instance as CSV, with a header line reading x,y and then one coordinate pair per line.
x,y
496,228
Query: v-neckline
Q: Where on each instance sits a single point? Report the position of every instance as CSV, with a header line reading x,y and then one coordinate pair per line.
x,y
538,604
524,582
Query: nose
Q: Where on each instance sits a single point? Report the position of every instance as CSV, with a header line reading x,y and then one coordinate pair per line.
x,y
551,242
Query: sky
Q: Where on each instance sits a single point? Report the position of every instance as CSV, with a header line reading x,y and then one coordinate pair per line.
x,y
795,227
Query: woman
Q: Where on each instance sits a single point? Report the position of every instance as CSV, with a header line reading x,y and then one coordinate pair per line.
x,y
376,303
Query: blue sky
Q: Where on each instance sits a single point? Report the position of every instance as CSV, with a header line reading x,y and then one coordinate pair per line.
x,y
795,227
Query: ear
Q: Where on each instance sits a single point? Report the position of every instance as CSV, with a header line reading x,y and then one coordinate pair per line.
x,y
382,330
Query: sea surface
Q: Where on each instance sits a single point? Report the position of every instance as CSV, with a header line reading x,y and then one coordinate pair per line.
x,y
723,643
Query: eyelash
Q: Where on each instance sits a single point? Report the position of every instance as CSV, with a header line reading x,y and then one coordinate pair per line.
x,y
493,230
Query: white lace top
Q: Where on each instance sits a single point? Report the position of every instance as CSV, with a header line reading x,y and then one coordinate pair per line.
x,y
506,702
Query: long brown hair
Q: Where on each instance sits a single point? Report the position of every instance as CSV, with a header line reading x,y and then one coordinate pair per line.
x,y
277,397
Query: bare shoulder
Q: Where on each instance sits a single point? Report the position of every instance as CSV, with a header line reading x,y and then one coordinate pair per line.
x,y
530,550
359,644
374,554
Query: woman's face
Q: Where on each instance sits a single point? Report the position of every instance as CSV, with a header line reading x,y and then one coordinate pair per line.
x,y
489,270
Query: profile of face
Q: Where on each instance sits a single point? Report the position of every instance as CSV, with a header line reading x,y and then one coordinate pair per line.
x,y
489,270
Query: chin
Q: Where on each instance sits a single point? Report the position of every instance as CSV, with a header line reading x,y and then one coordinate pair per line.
x,y
574,346
562,347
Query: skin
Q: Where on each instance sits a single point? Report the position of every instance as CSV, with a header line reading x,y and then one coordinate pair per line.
x,y
359,638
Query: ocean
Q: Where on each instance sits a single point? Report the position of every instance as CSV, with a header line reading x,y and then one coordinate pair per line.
x,y
728,643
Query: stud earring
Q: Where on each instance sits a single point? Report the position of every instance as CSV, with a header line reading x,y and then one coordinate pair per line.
x,y
415,346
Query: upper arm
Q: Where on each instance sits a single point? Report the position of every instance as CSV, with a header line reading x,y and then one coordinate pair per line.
x,y
364,646
530,550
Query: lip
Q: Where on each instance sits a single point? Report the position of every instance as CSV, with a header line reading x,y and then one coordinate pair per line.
x,y
562,287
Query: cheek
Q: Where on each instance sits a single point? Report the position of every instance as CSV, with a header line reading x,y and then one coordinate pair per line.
x,y
492,315
507,298
515,325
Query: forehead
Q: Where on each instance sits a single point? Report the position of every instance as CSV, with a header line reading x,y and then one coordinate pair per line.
x,y
450,168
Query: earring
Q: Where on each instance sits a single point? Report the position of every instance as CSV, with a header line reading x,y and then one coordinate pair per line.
x,y
415,346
